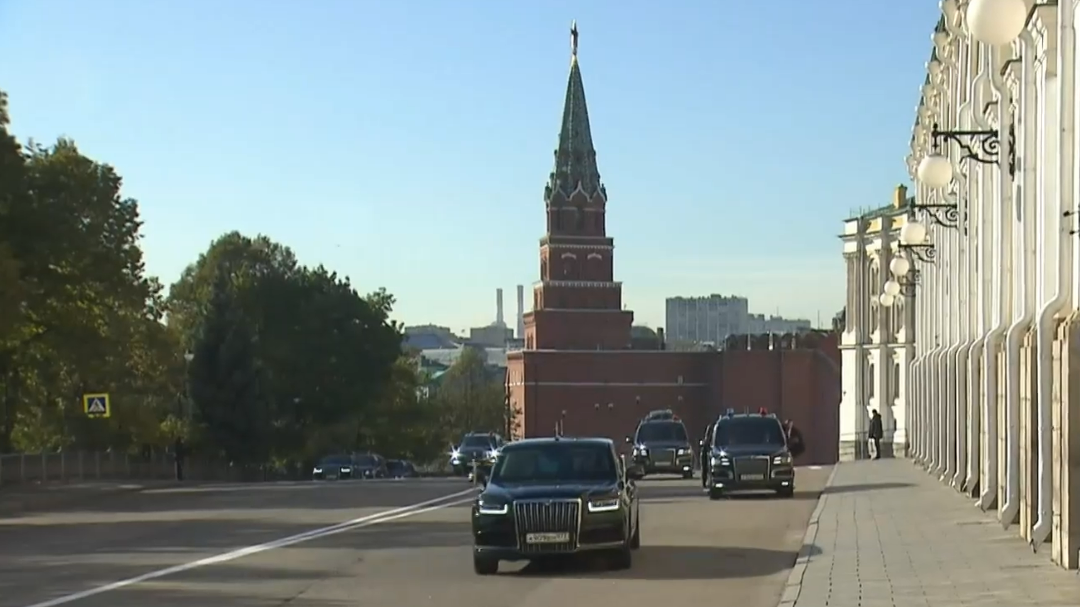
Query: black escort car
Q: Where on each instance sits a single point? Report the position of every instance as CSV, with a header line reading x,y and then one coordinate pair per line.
x,y
746,452
662,446
550,497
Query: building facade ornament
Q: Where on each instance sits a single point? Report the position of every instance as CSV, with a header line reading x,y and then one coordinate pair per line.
x,y
981,308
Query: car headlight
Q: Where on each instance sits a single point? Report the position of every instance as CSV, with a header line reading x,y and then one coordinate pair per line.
x,y
317,470
782,459
641,450
683,451
346,470
719,459
492,455
493,508
604,504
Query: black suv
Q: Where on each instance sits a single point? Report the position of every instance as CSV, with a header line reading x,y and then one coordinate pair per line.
x,y
475,447
333,467
661,445
556,496
746,452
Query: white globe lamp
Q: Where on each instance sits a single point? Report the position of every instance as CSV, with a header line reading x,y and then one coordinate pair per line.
x,y
899,266
892,288
886,300
913,233
996,22
935,171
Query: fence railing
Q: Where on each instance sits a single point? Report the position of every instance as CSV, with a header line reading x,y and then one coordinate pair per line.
x,y
90,466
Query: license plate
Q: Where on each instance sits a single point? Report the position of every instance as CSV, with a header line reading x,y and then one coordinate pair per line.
x,y
752,477
547,538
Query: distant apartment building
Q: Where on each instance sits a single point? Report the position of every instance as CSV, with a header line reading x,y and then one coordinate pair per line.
x,y
705,319
711,319
759,323
492,336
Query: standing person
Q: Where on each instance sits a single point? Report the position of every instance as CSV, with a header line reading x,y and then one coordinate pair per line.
x,y
877,432
796,445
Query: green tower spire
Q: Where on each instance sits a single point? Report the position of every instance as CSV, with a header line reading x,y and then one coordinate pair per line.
x,y
575,156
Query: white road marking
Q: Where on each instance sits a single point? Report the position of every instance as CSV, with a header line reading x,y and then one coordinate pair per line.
x,y
356,523
814,467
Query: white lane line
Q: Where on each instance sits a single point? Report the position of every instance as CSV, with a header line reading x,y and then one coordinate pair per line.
x,y
356,523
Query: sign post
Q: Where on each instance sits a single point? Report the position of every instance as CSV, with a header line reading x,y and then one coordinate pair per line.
x,y
96,406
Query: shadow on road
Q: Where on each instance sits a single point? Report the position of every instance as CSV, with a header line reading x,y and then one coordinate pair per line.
x,y
344,495
739,497
672,563
866,487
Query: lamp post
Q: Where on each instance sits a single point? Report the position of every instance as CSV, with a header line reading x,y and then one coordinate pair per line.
x,y
184,417
903,282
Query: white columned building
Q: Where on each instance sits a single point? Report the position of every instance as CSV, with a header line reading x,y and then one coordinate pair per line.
x,y
983,262
876,341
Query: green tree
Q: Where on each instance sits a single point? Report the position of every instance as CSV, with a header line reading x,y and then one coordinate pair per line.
x,y
471,396
405,421
74,298
231,412
327,353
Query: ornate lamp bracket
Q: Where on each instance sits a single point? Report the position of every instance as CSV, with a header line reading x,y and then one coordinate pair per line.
x,y
946,215
981,146
925,253
909,283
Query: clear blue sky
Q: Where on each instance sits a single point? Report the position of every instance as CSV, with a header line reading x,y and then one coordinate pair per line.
x,y
406,143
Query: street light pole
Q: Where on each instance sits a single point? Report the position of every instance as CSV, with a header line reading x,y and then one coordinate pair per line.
x,y
183,417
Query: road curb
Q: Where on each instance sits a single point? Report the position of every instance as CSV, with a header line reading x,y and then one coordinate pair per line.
x,y
793,587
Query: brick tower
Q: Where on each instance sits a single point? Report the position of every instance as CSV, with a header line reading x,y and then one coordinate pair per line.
x,y
577,305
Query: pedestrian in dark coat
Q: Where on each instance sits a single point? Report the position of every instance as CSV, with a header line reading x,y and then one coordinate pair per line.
x,y
796,445
877,432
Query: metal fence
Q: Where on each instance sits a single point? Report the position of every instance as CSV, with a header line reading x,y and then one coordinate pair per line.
x,y
90,466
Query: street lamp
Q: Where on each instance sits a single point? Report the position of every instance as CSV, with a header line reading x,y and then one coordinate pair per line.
x,y
996,22
899,266
891,288
935,170
913,238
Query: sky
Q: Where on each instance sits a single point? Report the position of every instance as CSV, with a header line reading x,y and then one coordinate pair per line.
x,y
406,143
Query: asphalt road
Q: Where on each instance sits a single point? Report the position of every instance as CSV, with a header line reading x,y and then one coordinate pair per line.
x,y
221,546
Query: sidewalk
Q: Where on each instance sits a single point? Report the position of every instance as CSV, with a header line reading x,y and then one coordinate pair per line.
x,y
888,534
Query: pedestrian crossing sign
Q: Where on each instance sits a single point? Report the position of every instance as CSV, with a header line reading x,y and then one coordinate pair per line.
x,y
96,405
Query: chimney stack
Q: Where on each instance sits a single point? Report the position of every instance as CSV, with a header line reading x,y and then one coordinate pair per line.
x,y
521,312
499,308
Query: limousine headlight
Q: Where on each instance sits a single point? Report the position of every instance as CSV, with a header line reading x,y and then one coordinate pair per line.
x,y
784,459
493,508
604,504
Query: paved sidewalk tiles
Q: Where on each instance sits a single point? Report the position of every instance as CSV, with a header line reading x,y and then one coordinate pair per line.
x,y
885,533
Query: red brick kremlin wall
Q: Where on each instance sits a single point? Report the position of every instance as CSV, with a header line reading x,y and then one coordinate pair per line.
x,y
605,393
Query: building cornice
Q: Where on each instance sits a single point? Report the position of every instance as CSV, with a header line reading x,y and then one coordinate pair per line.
x,y
575,239
595,284
596,246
